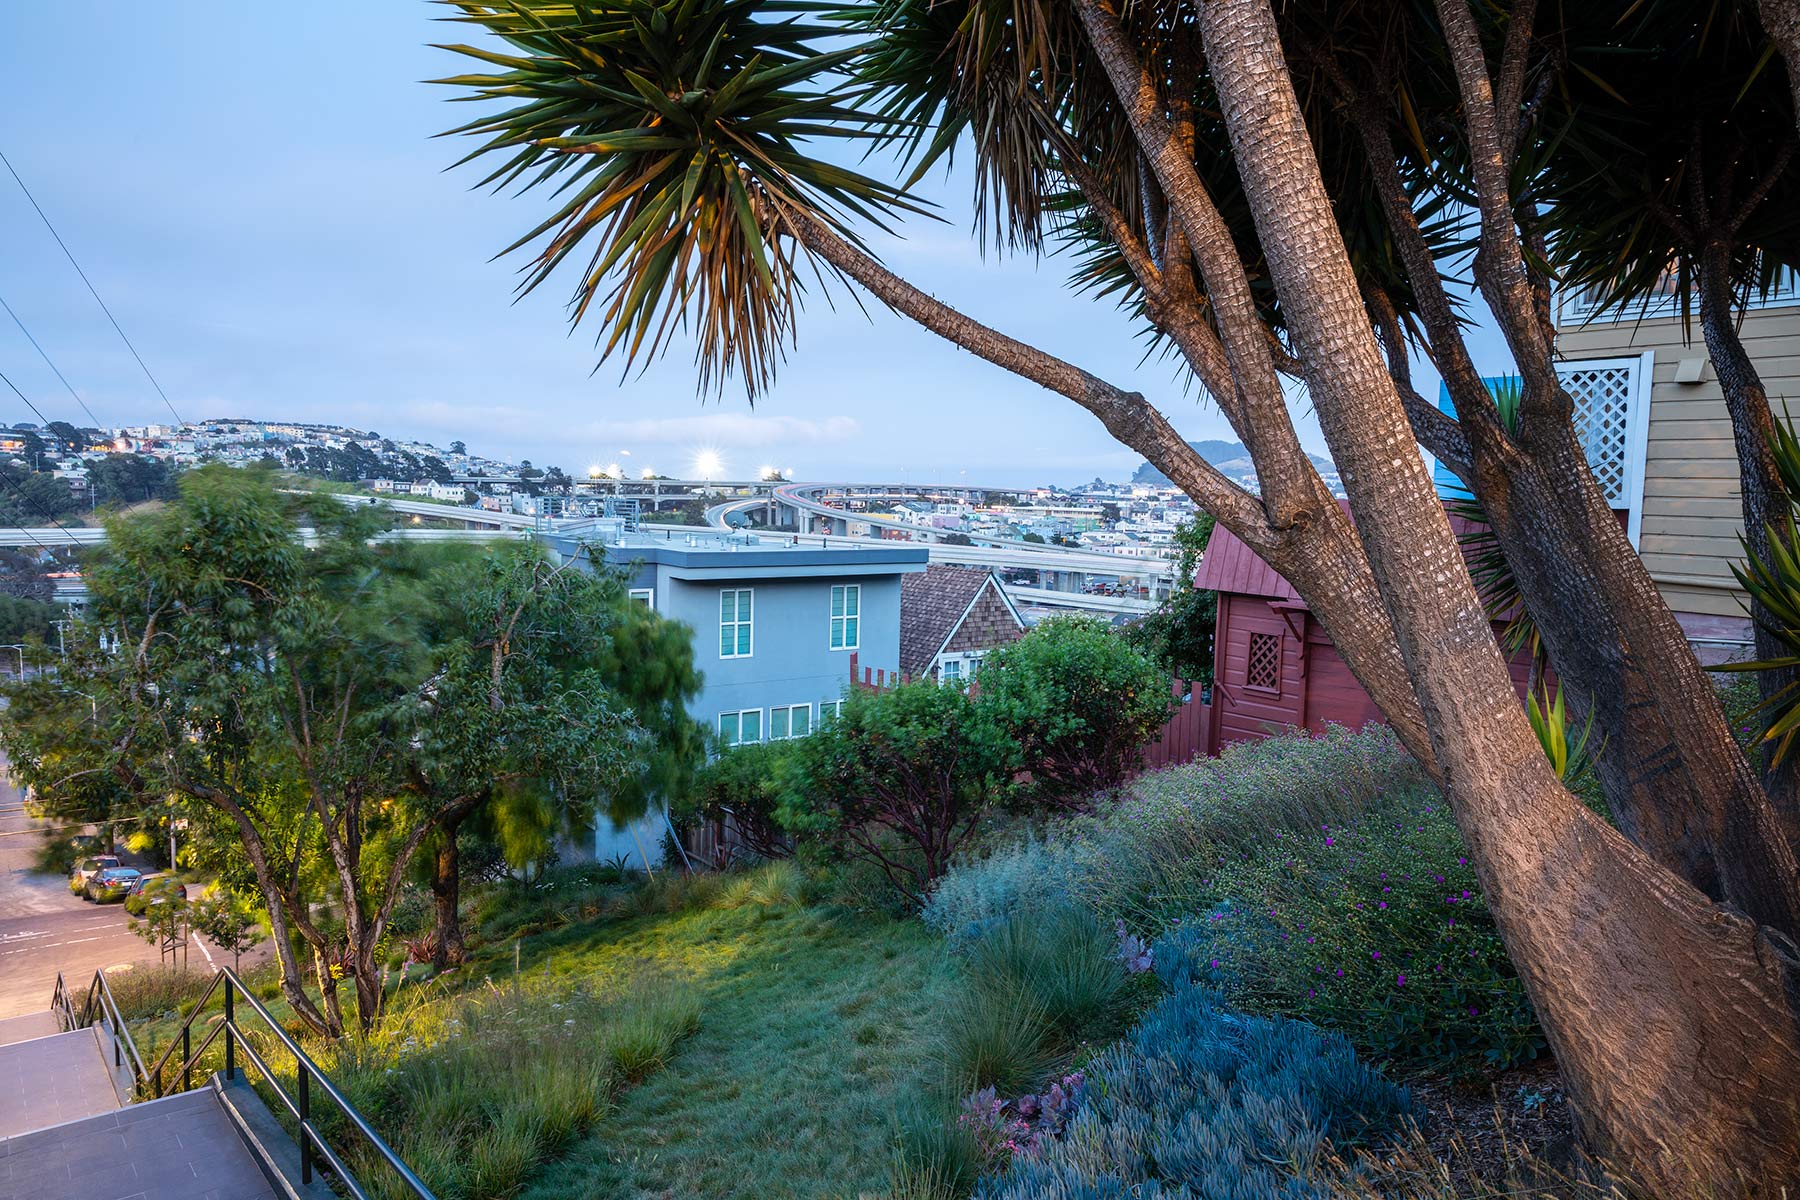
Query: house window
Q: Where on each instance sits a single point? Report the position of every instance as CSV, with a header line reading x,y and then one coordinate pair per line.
x,y
735,634
1264,668
790,721
1612,421
644,596
953,670
846,616
829,709
959,668
740,728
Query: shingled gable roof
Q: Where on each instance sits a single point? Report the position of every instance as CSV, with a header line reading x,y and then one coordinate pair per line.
x,y
932,603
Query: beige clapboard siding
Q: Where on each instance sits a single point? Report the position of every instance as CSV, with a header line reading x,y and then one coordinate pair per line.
x,y
1691,514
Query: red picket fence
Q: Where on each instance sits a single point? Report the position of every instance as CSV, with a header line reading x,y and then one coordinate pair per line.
x,y
1185,737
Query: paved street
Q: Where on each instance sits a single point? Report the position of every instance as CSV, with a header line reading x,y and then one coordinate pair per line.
x,y
44,929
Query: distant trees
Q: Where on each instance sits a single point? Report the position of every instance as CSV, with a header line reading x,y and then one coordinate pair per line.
x,y
33,498
120,480
459,447
957,539
71,437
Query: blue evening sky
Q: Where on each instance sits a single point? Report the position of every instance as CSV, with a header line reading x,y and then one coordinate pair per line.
x,y
254,189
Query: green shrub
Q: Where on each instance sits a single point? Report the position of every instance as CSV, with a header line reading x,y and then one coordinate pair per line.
x,y
978,894
899,778
1375,927
1201,1100
1079,701
742,784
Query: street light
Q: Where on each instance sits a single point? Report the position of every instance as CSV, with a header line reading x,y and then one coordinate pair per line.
x,y
708,464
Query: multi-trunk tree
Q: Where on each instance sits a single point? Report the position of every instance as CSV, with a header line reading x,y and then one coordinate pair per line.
x,y
1280,197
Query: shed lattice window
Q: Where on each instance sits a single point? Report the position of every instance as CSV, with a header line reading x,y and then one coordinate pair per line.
x,y
1264,670
1602,396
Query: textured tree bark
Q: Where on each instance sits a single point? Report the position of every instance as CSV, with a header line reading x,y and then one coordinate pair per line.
x,y
1765,499
1673,1019
1781,20
1672,773
446,893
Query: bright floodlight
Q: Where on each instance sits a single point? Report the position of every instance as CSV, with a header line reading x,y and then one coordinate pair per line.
x,y
649,472
765,472
708,464
613,471
594,472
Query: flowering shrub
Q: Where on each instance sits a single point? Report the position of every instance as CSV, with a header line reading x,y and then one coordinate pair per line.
x,y
1201,1100
1375,927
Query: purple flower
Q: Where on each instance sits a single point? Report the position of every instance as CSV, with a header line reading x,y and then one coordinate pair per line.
x,y
1400,982
1374,954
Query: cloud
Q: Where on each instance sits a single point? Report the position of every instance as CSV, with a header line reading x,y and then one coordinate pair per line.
x,y
725,430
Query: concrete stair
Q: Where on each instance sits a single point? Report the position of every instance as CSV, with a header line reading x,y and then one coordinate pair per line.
x,y
68,1131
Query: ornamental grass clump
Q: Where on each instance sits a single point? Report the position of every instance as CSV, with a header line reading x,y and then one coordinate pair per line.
x,y
1375,927
1202,1100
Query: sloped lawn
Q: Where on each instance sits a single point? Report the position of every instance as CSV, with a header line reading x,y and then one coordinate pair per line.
x,y
813,1025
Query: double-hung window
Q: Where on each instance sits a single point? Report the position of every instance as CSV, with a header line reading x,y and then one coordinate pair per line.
x,y
740,728
789,721
829,709
736,638
846,616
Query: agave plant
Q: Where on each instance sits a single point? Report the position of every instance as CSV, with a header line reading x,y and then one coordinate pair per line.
x,y
1773,582
1570,752
684,141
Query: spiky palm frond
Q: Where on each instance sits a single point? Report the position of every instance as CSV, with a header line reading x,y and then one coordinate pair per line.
x,y
676,135
1571,752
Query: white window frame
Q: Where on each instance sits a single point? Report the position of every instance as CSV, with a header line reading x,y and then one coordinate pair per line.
x,y
740,714
647,595
737,604
841,626
788,710
1637,428
831,708
967,662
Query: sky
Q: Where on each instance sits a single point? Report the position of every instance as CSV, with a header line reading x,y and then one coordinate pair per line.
x,y
255,191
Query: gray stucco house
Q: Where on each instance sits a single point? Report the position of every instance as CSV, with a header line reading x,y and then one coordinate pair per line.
x,y
774,625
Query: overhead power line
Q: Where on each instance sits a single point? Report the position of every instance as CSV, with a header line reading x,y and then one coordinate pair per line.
x,y
92,291
45,355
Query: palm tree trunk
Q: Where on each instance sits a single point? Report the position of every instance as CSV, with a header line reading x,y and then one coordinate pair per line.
x,y
1673,1019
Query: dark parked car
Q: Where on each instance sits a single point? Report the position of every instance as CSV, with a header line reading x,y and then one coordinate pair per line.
x,y
159,888
111,883
87,868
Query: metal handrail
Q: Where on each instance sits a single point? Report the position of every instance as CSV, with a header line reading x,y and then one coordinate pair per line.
x,y
99,1003
307,1075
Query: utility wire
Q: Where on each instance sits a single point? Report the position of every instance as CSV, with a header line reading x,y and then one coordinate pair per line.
x,y
21,395
44,354
92,291
23,499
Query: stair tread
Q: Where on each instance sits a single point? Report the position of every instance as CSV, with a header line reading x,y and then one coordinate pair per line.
x,y
50,1080
181,1147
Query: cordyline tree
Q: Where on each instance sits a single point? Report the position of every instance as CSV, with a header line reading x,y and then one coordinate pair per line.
x,y
1191,154
1677,183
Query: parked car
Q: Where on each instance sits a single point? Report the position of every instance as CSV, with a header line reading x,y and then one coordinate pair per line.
x,y
157,888
111,883
87,868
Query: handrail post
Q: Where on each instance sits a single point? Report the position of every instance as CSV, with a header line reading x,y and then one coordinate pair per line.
x,y
230,1046
187,1059
305,1079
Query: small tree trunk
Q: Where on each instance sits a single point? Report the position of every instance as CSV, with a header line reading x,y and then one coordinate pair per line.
x,y
446,891
328,993
1765,499
1673,1020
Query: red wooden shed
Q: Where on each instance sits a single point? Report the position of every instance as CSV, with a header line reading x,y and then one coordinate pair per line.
x,y
1274,668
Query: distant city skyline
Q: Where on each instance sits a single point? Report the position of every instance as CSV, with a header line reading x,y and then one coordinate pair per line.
x,y
257,195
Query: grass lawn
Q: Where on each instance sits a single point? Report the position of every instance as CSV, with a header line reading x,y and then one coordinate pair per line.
x,y
813,1024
